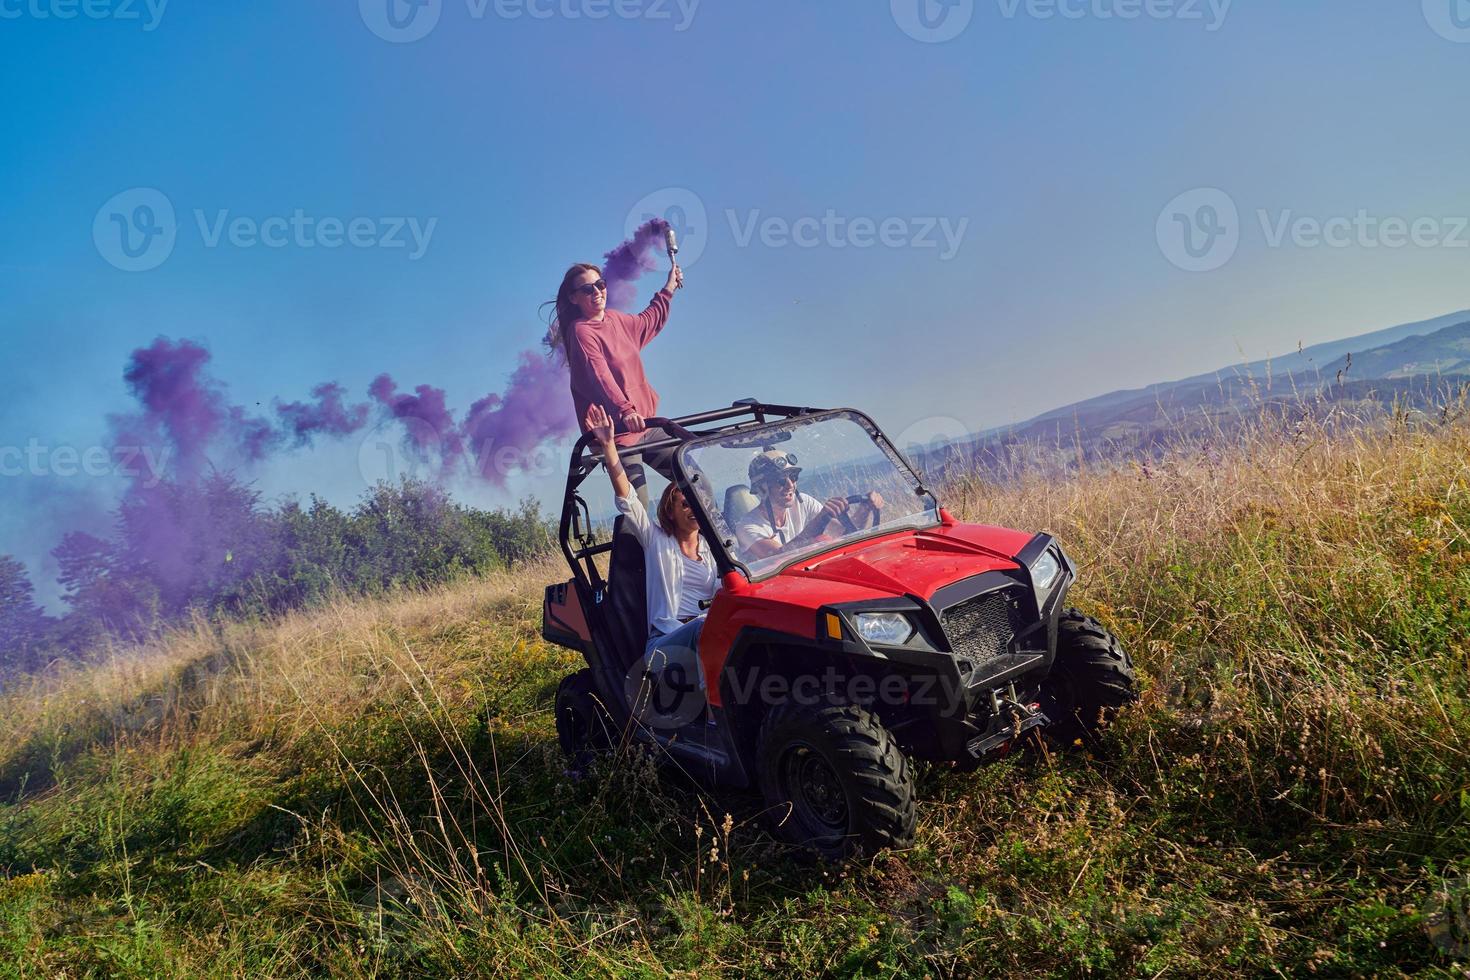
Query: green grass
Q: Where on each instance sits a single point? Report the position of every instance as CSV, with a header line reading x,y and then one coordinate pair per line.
x,y
374,788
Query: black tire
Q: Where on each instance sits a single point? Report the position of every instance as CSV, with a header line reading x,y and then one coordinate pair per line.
x,y
583,727
1090,680
835,780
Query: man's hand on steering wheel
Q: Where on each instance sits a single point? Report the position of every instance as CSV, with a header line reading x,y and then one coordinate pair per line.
x,y
837,509
834,509
873,500
840,509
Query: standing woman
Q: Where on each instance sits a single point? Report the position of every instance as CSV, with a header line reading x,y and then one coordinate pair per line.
x,y
603,349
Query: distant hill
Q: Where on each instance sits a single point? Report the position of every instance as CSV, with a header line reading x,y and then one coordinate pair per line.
x,y
1316,357
1412,365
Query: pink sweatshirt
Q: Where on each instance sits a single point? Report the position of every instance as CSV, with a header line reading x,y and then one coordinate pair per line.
x,y
607,369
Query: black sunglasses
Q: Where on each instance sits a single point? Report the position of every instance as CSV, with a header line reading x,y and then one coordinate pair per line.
x,y
591,288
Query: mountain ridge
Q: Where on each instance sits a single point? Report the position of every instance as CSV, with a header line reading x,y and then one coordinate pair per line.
x,y
1331,351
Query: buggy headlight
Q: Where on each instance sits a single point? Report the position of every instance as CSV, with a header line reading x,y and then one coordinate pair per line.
x,y
1044,573
889,627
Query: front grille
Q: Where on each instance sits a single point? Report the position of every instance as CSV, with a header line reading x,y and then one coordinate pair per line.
x,y
981,629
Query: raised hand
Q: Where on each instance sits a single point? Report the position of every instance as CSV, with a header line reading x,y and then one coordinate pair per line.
x,y
676,278
599,423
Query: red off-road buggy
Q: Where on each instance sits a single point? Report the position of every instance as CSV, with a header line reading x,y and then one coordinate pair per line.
x,y
898,634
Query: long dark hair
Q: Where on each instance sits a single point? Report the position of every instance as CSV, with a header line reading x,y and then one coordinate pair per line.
x,y
565,312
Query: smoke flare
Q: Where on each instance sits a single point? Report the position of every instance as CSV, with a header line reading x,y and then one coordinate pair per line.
x,y
626,264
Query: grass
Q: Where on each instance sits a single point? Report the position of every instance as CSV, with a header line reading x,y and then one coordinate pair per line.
x,y
373,788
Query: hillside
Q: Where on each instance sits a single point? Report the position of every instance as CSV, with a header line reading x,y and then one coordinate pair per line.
x,y
1372,374
374,788
1319,360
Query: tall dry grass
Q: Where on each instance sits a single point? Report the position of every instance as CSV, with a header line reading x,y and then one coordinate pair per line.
x,y
373,788
276,678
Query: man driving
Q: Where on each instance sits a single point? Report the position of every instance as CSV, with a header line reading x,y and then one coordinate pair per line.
x,y
786,519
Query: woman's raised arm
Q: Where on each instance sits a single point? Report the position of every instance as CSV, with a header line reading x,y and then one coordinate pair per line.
x,y
600,425
652,320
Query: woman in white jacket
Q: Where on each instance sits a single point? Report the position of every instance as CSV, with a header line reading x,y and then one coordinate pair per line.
x,y
681,575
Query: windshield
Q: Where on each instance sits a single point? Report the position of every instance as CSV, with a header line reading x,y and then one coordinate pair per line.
x,y
788,490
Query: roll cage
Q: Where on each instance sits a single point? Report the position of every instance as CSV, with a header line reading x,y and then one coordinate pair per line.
x,y
576,533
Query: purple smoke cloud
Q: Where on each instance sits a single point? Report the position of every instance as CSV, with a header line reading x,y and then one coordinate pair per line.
x,y
179,404
536,407
186,418
186,412
433,431
626,264
328,416
185,425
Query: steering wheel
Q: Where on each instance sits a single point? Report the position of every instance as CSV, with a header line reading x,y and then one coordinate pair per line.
x,y
848,526
845,519
861,498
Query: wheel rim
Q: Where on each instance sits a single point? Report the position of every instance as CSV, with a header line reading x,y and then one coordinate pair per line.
x,y
811,784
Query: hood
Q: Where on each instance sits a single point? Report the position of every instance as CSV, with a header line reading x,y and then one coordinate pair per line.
x,y
917,562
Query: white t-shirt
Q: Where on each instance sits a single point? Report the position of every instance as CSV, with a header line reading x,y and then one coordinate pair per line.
x,y
664,577
697,583
757,526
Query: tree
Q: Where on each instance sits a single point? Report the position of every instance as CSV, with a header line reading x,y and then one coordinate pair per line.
x,y
195,543
25,629
102,595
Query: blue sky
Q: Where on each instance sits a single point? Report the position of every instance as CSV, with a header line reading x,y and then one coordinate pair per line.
x,y
1054,141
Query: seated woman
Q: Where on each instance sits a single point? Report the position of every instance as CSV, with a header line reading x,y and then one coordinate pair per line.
x,y
786,519
680,575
